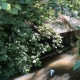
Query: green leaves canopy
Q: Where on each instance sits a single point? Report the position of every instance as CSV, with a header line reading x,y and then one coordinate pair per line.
x,y
19,42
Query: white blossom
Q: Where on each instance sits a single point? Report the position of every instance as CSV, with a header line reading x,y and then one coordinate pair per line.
x,y
34,61
33,57
37,59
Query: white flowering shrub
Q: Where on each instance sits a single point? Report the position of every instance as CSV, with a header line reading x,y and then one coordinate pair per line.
x,y
21,46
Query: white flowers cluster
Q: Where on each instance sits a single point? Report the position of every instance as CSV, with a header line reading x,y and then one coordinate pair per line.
x,y
18,30
35,59
25,58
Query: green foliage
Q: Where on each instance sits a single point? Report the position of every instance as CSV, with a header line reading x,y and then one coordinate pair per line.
x,y
66,7
72,9
20,45
24,36
77,65
5,6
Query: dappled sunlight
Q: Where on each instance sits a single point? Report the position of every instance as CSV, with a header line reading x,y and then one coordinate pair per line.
x,y
40,72
64,77
39,75
25,77
64,61
61,67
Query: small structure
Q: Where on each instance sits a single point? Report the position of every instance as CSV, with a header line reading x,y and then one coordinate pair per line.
x,y
65,24
67,27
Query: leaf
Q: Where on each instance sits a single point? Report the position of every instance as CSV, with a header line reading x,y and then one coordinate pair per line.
x,y
39,63
0,72
18,6
5,0
14,11
6,6
0,3
5,34
28,1
1,43
77,65
3,57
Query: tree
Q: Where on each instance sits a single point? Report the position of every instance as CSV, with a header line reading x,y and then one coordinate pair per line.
x,y
22,32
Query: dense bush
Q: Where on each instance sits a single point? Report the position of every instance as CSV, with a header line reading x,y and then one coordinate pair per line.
x,y
22,32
